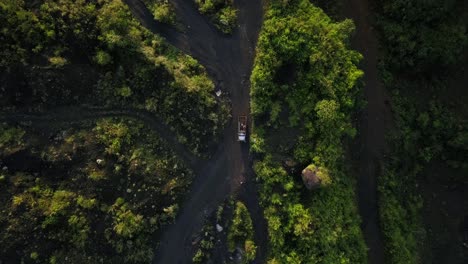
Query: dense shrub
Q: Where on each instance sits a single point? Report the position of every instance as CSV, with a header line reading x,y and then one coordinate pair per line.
x,y
421,41
221,12
54,211
163,11
303,94
423,134
94,52
241,233
421,36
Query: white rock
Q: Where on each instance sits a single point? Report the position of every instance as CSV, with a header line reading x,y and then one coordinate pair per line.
x,y
219,228
99,161
218,93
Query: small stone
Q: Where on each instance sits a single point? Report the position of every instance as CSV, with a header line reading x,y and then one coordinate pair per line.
x,y
218,93
5,168
129,190
219,228
99,161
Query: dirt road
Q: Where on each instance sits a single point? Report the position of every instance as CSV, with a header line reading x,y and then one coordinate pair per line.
x,y
79,114
228,60
373,124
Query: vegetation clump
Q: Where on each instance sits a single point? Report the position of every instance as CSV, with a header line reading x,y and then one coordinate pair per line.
x,y
162,10
304,90
221,13
91,194
241,233
423,44
62,53
206,244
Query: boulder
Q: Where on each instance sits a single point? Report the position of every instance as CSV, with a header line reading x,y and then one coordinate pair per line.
x,y
315,177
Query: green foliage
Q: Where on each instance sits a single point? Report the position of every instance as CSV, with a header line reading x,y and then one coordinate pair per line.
x,y
100,55
207,244
103,58
85,202
126,223
10,137
421,35
304,85
20,33
421,41
221,12
59,212
250,250
241,231
420,137
69,21
401,223
57,61
113,135
163,11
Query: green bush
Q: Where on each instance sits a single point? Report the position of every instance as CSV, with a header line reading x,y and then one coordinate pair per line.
x,y
422,135
112,61
241,232
421,35
163,11
10,137
69,217
304,85
421,41
221,12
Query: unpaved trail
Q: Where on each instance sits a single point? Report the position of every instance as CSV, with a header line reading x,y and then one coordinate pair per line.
x,y
228,60
80,114
373,125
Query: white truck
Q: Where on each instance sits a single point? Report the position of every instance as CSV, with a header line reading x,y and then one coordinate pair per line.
x,y
242,128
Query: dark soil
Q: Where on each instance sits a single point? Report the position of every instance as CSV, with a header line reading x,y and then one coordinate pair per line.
x,y
444,189
445,216
49,120
374,122
228,60
27,86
